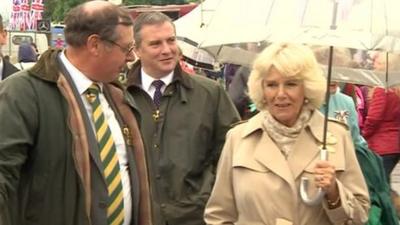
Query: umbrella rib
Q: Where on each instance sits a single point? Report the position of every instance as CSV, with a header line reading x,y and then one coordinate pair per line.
x,y
386,18
269,12
304,12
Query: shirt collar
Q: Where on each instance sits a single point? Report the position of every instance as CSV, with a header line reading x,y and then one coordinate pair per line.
x,y
147,79
1,68
81,81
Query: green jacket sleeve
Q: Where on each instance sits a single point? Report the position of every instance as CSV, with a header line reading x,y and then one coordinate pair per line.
x,y
18,122
227,115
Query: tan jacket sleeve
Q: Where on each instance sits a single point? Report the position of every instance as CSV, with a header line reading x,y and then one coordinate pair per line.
x,y
221,207
353,191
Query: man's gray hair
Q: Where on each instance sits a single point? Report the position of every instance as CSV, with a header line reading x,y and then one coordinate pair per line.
x,y
148,18
80,24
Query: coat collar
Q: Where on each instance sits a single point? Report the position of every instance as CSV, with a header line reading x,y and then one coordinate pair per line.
x,y
315,125
47,68
306,148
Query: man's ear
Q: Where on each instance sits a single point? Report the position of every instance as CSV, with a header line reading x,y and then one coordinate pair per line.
x,y
93,44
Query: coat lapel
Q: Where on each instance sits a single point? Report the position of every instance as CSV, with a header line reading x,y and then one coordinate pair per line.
x,y
267,153
91,136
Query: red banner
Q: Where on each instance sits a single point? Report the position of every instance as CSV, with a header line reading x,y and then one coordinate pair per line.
x,y
25,16
37,9
14,18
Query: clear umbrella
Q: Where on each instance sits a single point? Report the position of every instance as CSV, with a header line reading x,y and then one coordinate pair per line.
x,y
359,24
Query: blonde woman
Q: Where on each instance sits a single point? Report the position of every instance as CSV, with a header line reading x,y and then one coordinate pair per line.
x,y
263,160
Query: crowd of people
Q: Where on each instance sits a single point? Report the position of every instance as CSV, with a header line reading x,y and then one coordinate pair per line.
x,y
164,147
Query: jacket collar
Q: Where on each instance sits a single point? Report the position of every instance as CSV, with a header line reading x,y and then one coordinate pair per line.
x,y
47,68
307,147
315,125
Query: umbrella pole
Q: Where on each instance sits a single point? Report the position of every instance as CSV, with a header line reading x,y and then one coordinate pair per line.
x,y
323,152
327,96
387,71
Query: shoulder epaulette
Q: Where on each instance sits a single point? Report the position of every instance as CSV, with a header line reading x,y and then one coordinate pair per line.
x,y
339,122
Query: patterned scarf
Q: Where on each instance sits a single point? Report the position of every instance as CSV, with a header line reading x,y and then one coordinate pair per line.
x,y
284,136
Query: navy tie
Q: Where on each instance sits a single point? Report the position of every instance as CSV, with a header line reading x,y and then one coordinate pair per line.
x,y
158,84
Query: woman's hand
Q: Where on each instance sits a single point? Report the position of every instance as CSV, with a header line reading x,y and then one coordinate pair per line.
x,y
325,178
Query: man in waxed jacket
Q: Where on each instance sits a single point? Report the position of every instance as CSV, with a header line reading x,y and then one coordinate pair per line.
x,y
184,119
70,148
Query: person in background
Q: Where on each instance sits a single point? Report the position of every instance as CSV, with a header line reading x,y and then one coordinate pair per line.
x,y
34,46
6,68
26,56
382,123
342,108
184,119
71,151
264,159
185,66
238,92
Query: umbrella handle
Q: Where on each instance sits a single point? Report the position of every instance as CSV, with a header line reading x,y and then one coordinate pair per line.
x,y
315,200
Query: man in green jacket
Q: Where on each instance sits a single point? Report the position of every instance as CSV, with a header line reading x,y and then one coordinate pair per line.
x,y
70,147
184,119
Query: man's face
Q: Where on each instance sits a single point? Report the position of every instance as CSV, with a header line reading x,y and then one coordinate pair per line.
x,y
115,55
158,50
333,87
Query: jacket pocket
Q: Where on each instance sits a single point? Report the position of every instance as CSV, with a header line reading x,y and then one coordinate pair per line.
x,y
34,198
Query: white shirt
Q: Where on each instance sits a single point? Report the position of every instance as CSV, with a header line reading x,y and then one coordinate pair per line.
x,y
1,68
82,83
147,80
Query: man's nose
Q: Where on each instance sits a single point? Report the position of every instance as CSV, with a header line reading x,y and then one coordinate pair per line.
x,y
166,48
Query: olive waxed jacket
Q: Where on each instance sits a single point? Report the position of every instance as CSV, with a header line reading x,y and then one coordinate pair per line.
x,y
183,142
40,173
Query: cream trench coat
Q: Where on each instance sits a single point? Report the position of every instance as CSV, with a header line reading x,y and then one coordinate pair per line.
x,y
256,185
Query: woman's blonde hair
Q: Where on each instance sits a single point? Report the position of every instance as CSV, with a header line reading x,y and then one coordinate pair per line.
x,y
290,60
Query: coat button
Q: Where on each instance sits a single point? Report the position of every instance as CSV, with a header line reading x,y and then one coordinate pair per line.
x,y
158,176
102,204
163,206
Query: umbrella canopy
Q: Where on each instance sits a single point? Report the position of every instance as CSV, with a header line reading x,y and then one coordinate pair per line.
x,y
217,27
208,18
359,24
190,30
